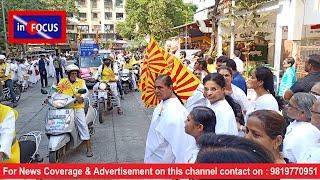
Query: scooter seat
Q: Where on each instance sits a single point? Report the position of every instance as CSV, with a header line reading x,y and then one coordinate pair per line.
x,y
27,149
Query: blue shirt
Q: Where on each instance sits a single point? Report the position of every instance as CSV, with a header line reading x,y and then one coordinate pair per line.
x,y
240,82
42,65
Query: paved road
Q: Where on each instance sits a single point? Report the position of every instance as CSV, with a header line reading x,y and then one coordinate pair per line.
x,y
118,139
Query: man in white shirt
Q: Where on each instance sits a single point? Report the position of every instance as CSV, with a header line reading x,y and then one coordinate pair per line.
x,y
311,153
167,141
239,62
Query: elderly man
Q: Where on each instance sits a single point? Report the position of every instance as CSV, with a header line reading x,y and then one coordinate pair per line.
x,y
167,141
312,66
311,152
5,75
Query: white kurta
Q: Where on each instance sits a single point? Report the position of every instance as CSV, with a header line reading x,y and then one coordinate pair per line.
x,y
167,141
300,136
51,69
225,118
240,97
7,128
312,155
266,102
196,99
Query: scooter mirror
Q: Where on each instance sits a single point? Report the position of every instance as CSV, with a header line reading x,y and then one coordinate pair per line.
x,y
82,91
43,91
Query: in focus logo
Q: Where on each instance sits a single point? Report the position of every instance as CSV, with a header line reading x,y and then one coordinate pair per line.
x,y
37,27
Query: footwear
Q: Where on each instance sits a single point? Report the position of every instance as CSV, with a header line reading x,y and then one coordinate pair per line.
x,y
120,112
14,104
89,153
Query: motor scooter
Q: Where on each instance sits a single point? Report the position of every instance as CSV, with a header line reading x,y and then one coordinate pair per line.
x,y
60,127
126,80
29,145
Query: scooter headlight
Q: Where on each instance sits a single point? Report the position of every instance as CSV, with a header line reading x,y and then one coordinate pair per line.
x,y
102,86
58,103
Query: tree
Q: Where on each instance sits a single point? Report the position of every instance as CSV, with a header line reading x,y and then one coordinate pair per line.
x,y
156,17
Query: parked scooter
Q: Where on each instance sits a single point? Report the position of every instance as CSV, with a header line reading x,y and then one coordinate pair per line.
x,y
5,95
60,127
104,99
29,145
126,80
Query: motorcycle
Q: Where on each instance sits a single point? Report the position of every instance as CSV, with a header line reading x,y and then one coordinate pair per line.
x,y
29,145
5,95
126,80
136,71
60,127
105,99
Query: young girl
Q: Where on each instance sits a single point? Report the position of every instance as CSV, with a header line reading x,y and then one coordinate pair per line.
x,y
261,81
214,87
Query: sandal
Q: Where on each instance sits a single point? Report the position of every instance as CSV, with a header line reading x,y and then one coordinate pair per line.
x,y
89,153
120,112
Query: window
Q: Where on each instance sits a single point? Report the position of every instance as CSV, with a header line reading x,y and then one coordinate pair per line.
x,y
83,15
108,15
83,28
70,27
82,2
108,4
109,28
69,14
119,3
96,27
94,15
119,16
94,3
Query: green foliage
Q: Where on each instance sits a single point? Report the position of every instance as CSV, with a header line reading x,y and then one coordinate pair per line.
x,y
155,17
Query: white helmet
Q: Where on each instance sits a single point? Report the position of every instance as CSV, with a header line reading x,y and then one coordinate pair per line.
x,y
72,67
2,57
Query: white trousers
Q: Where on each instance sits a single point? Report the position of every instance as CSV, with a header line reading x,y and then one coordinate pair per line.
x,y
114,91
82,124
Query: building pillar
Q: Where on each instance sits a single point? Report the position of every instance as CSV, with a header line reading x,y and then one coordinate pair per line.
x,y
219,41
277,49
89,15
232,31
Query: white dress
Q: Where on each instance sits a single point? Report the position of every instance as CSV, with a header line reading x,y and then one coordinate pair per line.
x,y
167,141
196,99
300,136
51,70
240,64
33,77
226,120
266,102
240,97
312,155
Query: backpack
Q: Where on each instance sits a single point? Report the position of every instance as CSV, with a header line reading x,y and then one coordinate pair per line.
x,y
56,63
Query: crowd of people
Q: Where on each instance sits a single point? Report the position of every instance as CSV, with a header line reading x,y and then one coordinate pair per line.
x,y
217,124
220,124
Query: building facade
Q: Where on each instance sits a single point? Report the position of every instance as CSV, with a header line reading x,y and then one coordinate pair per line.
x,y
96,16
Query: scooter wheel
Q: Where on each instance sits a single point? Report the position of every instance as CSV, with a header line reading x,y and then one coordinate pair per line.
x,y
56,156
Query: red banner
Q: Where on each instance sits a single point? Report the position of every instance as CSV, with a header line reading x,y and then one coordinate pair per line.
x,y
149,171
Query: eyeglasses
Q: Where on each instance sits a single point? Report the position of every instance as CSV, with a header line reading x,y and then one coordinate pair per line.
x,y
314,112
314,93
291,106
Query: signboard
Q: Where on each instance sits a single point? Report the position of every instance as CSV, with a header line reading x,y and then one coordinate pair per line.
x,y
37,26
88,48
259,53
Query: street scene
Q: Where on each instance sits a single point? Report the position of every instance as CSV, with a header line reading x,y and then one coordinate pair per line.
x,y
160,81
